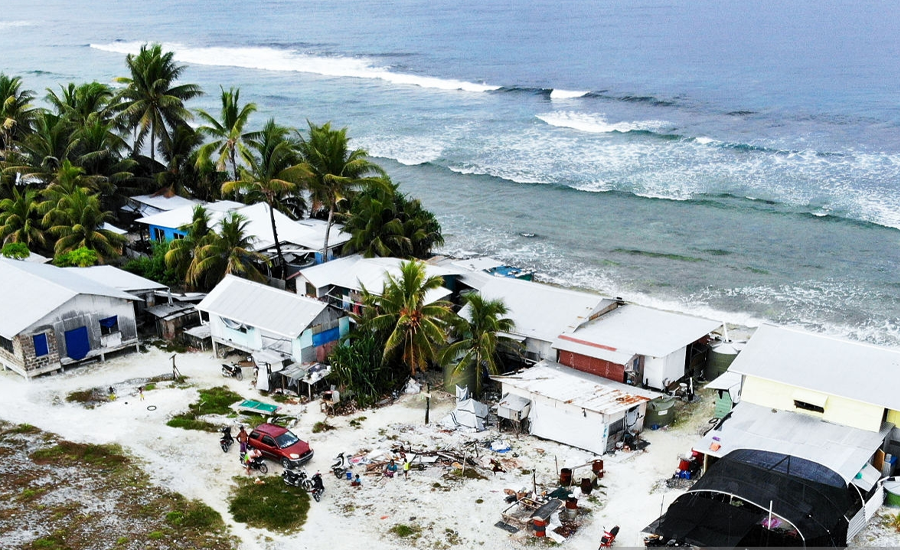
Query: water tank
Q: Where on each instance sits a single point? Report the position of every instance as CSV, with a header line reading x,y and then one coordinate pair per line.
x,y
660,412
720,357
463,378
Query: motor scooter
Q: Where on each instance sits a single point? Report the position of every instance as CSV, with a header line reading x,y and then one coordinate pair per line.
x,y
232,371
297,478
340,466
226,441
318,487
609,537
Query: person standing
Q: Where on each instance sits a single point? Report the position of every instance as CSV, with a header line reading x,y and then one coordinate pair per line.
x,y
406,468
141,392
242,439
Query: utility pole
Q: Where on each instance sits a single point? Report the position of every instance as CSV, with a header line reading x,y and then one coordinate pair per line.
x,y
427,401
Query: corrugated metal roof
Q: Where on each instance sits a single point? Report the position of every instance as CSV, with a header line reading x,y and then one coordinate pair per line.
x,y
30,291
163,203
354,272
542,311
116,278
576,388
270,309
854,370
636,330
842,448
482,263
309,233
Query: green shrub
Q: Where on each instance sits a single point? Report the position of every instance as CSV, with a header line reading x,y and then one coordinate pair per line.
x,y
404,531
321,426
269,505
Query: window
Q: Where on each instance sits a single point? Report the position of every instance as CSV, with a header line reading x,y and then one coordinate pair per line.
x,y
177,236
808,406
158,234
40,345
109,325
6,344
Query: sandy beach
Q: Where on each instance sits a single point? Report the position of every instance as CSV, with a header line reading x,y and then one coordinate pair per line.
x,y
446,511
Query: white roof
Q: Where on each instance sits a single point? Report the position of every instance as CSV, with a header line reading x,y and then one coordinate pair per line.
x,y
266,308
116,278
841,448
308,233
163,203
576,388
110,227
632,330
854,370
30,291
542,311
354,272
483,263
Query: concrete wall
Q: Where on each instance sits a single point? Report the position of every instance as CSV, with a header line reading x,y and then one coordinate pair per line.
x,y
838,410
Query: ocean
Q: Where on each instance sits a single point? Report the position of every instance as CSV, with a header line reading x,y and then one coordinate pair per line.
x,y
738,161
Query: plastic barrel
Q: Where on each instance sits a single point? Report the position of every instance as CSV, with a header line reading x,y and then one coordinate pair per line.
x,y
540,527
586,485
892,492
565,477
597,468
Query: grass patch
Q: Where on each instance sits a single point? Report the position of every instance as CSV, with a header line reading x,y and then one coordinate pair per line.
x,y
67,452
84,397
321,426
216,400
269,505
149,387
24,429
406,531
357,422
469,473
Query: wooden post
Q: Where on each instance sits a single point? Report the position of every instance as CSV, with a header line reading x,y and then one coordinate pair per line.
x,y
427,401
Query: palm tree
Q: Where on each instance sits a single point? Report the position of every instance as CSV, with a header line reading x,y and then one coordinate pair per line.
x,y
375,226
332,171
150,101
182,251
78,103
272,172
228,135
44,149
415,330
20,220
480,336
229,251
79,223
15,110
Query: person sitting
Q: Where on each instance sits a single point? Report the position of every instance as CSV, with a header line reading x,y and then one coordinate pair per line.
x,y
252,455
356,482
390,469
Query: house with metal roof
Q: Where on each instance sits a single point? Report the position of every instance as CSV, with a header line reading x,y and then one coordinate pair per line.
x,y
808,445
51,317
541,312
636,345
836,380
301,240
340,282
253,317
576,408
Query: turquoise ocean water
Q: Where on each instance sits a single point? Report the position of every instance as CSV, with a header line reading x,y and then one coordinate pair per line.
x,y
740,162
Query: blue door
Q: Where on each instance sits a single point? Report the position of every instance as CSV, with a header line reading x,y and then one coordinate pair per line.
x,y
77,344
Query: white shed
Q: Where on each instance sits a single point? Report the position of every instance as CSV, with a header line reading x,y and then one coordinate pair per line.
x,y
576,408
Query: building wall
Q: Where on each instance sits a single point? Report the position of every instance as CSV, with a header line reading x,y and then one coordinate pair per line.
x,y
838,410
169,233
87,311
44,363
251,340
557,421
893,417
592,365
662,371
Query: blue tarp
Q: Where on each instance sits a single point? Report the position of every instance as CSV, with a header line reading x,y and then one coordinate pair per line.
x,y
77,344
326,336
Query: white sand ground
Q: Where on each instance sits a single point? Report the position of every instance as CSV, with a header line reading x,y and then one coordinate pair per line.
x,y
192,463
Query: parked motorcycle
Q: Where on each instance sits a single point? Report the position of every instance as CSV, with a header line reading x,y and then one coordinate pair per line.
x,y
340,466
318,487
232,371
609,537
256,463
226,441
297,478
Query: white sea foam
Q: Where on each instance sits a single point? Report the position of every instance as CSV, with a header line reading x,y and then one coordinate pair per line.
x,y
14,24
705,140
271,59
597,124
407,150
566,94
